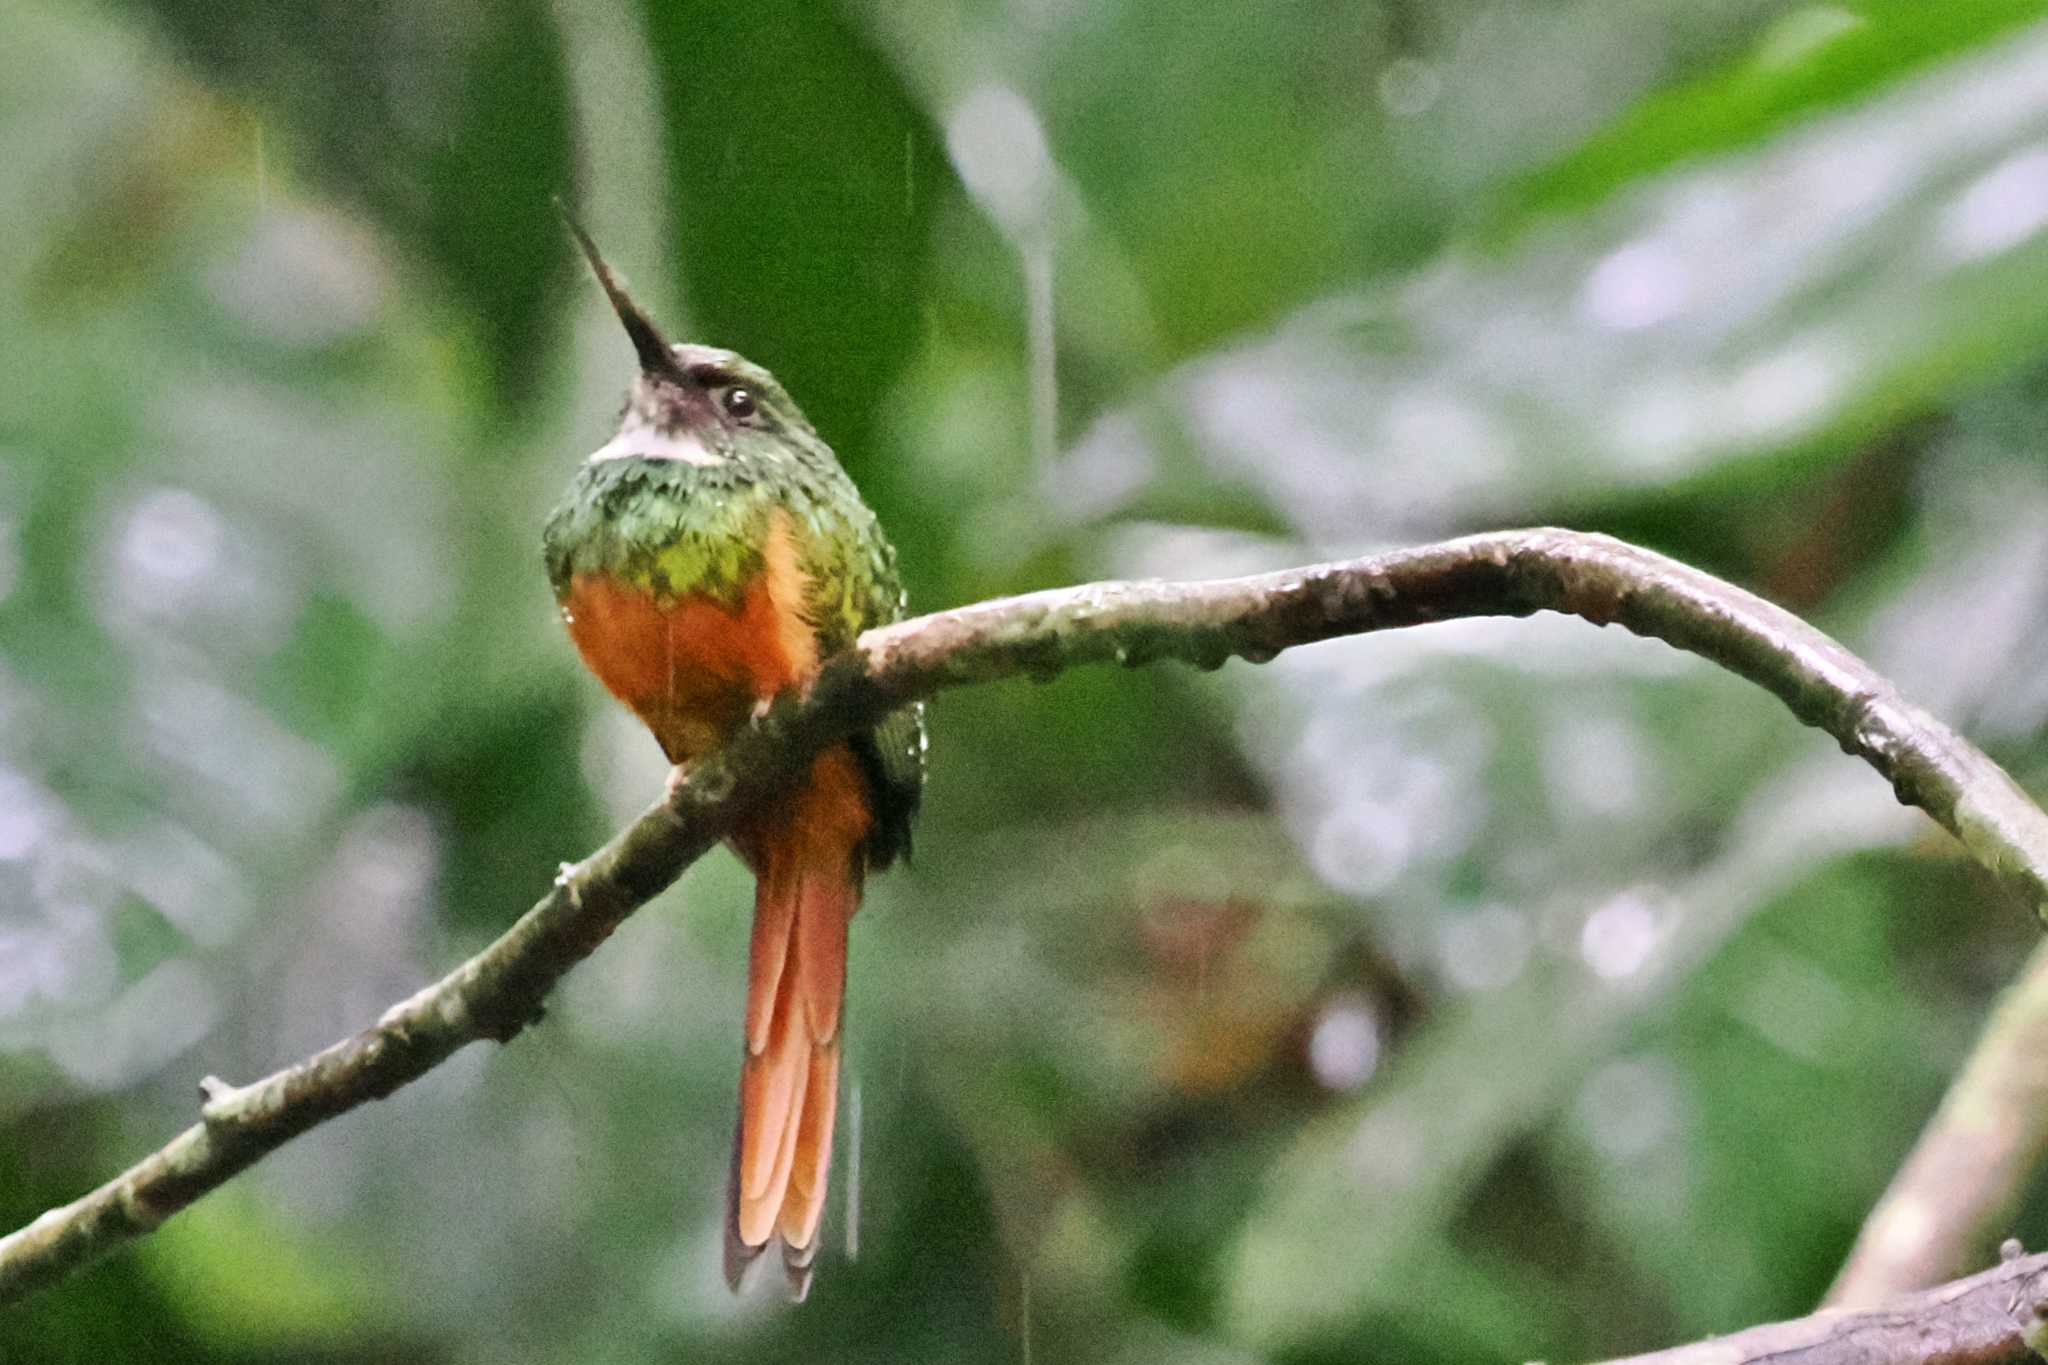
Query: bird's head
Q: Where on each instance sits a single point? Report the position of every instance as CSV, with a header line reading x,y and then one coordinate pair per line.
x,y
699,404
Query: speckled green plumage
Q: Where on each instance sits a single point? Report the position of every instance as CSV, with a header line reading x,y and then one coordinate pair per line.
x,y
673,528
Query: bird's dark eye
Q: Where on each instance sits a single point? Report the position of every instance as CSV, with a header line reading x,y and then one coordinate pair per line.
x,y
738,402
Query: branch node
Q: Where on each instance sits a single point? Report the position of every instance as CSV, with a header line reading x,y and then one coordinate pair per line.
x,y
136,1208
221,1103
565,877
503,1027
2011,1249
398,1021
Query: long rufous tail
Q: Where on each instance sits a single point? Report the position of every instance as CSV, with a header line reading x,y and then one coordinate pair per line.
x,y
807,866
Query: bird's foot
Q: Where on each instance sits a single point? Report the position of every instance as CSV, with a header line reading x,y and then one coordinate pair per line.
x,y
677,776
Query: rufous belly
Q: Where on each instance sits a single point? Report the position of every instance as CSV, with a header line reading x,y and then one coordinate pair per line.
x,y
691,667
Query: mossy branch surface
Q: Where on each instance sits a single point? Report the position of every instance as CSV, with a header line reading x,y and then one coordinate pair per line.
x,y
1514,573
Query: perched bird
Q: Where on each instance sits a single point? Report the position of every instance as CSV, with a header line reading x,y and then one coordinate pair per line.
x,y
707,557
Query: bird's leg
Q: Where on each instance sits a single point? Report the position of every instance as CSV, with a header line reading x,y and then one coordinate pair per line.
x,y
677,776
765,703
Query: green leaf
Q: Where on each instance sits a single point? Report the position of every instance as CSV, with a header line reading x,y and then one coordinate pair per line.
x,y
1781,302
1819,57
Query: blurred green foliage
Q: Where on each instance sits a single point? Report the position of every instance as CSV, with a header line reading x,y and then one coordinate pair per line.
x,y
1494,991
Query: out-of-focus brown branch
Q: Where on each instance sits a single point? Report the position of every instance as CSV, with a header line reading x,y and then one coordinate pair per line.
x,y
1990,1319
1956,1194
1516,573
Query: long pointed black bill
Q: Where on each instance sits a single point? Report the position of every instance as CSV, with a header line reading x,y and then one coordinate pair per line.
x,y
648,342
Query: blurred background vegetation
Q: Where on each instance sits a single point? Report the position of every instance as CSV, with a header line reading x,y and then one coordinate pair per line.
x,y
1486,992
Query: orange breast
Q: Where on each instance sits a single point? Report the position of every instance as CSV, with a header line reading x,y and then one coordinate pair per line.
x,y
691,668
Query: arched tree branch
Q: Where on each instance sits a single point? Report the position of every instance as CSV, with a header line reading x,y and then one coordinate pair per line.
x,y
1516,573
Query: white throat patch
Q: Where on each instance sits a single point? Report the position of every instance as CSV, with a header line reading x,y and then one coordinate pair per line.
x,y
636,437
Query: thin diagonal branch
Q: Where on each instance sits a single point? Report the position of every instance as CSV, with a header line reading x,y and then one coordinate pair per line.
x,y
1990,1319
1962,1184
1515,573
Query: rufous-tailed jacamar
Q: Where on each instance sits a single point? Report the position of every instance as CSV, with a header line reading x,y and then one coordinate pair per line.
x,y
707,557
